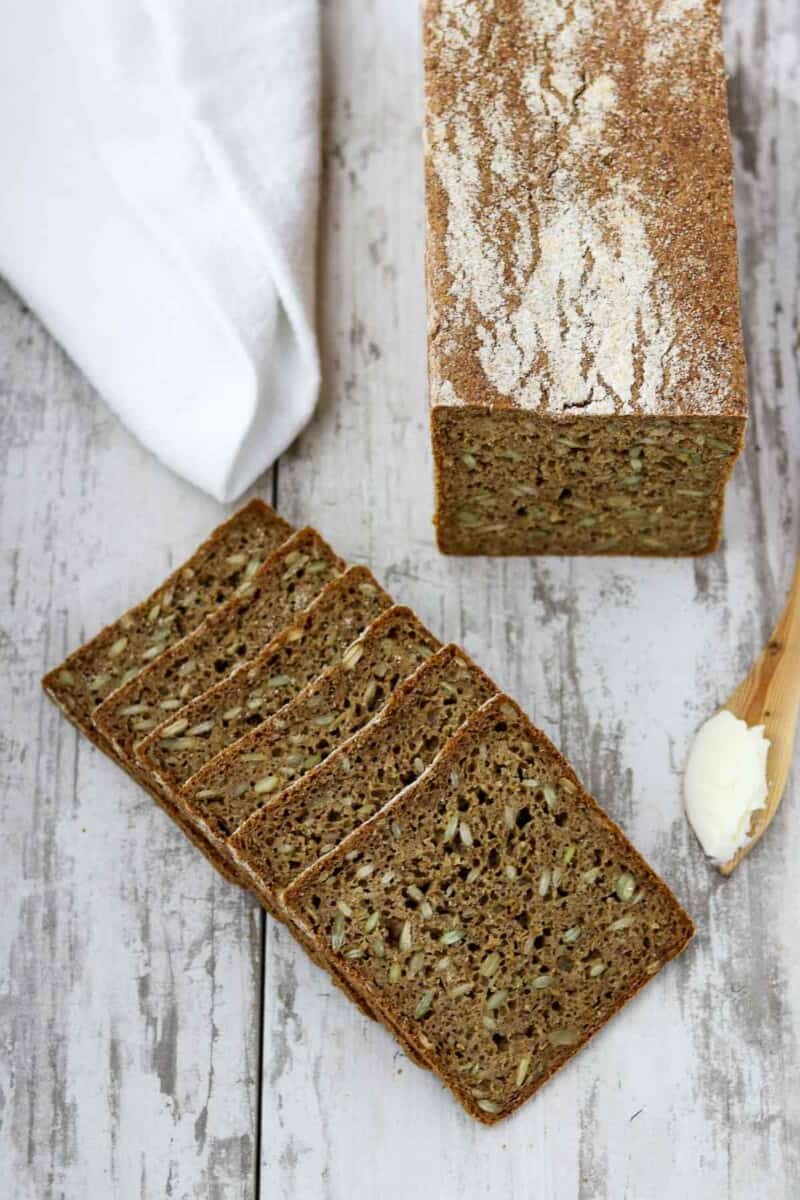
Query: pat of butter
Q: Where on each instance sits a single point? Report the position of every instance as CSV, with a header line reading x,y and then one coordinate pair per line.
x,y
725,783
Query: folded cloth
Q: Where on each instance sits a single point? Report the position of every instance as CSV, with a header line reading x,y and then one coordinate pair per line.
x,y
159,169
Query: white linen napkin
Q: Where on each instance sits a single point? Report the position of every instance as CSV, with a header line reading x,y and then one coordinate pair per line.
x,y
159,164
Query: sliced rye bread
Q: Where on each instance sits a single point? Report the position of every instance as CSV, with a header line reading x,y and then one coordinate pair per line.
x,y
354,781
218,568
260,688
544,920
284,585
287,835
325,714
287,581
215,571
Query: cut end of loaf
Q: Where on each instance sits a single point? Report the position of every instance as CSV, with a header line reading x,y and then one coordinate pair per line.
x,y
513,482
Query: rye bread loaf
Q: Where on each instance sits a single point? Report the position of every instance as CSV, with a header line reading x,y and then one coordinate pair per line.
x,y
216,570
311,817
284,585
585,352
491,913
258,689
325,714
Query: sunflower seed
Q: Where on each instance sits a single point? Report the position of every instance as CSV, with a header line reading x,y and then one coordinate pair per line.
x,y
563,1037
352,656
171,704
596,969
497,999
369,693
490,1106
324,721
344,908
415,964
266,785
542,981
621,923
625,886
372,922
451,828
461,989
426,909
365,870
175,728
116,648
544,882
425,1002
522,1070
451,937
550,795
465,833
395,971
489,965
571,936
569,854
278,681
405,937
201,728
133,710
337,937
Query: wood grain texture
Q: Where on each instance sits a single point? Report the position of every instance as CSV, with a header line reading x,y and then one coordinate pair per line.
x,y
769,695
134,998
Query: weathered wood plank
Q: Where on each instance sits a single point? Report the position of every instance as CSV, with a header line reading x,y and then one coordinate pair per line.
x,y
130,983
130,977
692,1091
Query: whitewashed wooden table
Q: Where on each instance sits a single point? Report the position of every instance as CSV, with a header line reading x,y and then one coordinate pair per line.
x,y
158,1036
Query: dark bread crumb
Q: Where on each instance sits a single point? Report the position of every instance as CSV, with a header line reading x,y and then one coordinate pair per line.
x,y
492,913
330,710
260,688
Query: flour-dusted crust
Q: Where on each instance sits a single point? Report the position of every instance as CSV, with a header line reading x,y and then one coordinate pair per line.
x,y
541,919
582,267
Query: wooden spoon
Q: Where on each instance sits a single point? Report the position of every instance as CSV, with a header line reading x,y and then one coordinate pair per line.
x,y
769,695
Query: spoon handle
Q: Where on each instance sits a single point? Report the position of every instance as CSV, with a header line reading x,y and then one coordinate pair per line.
x,y
770,696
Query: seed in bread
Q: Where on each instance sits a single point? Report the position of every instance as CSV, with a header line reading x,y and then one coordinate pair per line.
x,y
492,913
258,689
325,714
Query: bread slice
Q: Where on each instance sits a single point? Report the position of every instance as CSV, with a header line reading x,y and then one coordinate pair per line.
x,y
284,585
258,689
491,913
329,711
322,808
226,560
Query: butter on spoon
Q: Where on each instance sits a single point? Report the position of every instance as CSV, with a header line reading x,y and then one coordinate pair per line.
x,y
725,783
739,761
